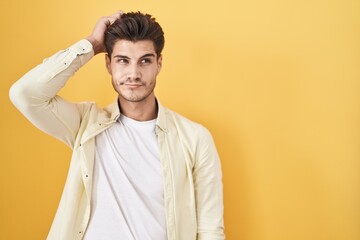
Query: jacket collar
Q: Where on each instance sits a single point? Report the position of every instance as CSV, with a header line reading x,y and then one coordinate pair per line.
x,y
114,109
161,117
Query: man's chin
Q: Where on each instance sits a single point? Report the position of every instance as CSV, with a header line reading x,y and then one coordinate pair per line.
x,y
134,98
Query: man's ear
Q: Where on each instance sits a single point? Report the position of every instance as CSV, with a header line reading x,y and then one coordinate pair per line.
x,y
159,61
108,63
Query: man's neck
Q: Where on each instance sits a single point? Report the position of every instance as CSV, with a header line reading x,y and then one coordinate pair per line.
x,y
140,111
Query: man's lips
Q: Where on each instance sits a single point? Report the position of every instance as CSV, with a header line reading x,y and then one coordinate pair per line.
x,y
132,85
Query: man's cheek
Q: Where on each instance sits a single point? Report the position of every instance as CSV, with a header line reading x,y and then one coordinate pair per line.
x,y
118,78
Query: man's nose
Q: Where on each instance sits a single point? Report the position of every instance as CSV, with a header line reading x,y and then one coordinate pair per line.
x,y
134,72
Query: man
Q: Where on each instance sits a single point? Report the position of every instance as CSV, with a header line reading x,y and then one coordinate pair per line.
x,y
138,170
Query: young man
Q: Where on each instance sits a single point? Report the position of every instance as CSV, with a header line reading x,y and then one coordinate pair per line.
x,y
138,170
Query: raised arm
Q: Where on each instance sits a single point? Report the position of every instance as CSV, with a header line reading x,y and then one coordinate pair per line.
x,y
35,94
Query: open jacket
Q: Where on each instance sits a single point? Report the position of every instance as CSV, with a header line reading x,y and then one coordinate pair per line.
x,y
189,160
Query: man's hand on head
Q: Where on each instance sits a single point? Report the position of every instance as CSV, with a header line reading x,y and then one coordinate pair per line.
x,y
96,38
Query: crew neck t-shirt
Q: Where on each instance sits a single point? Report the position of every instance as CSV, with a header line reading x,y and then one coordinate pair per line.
x,y
127,199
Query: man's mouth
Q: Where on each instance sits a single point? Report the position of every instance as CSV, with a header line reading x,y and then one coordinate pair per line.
x,y
133,85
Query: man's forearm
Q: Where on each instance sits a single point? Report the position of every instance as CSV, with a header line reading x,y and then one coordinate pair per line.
x,y
45,80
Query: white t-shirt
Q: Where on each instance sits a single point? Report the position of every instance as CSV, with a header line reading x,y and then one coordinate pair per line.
x,y
127,200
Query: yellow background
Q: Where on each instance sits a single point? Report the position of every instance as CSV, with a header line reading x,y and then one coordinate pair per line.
x,y
277,83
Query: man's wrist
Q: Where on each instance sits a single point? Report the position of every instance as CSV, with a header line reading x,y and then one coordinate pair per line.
x,y
97,46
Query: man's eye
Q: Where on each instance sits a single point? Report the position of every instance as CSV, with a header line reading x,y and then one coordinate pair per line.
x,y
121,60
145,60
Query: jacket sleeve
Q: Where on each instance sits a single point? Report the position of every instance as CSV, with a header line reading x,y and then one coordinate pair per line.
x,y
35,94
208,190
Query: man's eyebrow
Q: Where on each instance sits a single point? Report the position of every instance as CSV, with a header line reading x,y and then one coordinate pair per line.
x,y
121,56
148,55
126,57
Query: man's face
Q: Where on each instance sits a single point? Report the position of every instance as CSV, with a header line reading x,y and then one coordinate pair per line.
x,y
134,67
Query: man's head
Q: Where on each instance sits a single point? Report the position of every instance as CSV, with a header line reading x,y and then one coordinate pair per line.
x,y
134,43
135,26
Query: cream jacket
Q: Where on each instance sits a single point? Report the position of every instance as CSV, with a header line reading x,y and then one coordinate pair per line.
x,y
193,195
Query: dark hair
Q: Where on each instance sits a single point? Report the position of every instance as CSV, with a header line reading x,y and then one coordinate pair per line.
x,y
135,26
